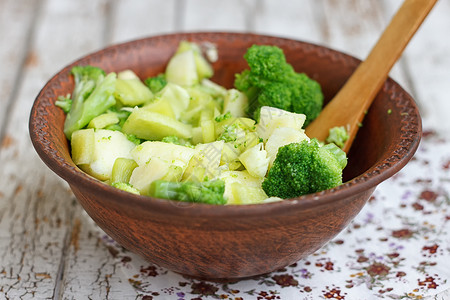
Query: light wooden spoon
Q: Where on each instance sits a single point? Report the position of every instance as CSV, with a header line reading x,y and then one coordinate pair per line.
x,y
351,103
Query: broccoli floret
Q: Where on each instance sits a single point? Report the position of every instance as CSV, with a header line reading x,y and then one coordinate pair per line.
x,y
132,138
173,139
303,168
271,81
156,83
223,117
230,133
337,135
210,192
92,96
65,103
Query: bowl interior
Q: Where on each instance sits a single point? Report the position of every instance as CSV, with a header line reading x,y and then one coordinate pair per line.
x,y
389,136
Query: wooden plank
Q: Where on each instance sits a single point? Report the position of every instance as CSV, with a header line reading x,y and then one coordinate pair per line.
x,y
16,20
90,267
427,61
302,20
37,212
355,26
148,18
207,15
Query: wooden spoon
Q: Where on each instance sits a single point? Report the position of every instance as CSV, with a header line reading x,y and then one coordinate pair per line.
x,y
351,103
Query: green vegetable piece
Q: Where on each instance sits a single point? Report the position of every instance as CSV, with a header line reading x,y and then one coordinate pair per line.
x,y
177,97
204,69
104,120
156,83
182,69
210,192
338,153
160,106
235,102
271,81
223,117
302,168
83,146
244,194
337,135
215,90
125,187
149,125
132,138
173,139
130,90
65,103
174,173
122,170
92,96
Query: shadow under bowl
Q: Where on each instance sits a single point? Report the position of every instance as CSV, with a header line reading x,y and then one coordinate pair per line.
x,y
231,242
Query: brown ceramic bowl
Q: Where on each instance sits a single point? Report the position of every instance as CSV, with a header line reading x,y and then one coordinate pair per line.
x,y
232,241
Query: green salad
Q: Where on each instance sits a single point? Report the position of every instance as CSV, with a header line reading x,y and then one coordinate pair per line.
x,y
179,135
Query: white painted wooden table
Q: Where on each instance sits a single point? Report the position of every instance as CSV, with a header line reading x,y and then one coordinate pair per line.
x,y
48,246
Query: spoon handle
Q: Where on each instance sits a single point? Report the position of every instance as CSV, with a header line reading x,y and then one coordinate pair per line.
x,y
353,100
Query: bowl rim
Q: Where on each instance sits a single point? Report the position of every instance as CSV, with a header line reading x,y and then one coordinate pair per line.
x,y
385,167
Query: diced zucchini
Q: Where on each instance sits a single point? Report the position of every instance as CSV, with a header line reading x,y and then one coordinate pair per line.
x,y
242,177
204,69
230,153
208,135
145,174
176,96
249,140
161,107
83,145
236,103
197,135
126,187
149,125
130,90
212,88
174,173
104,120
108,146
255,160
182,69
171,153
243,194
207,157
122,170
271,118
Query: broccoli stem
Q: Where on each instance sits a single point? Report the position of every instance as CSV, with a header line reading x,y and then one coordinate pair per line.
x,y
92,96
210,192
